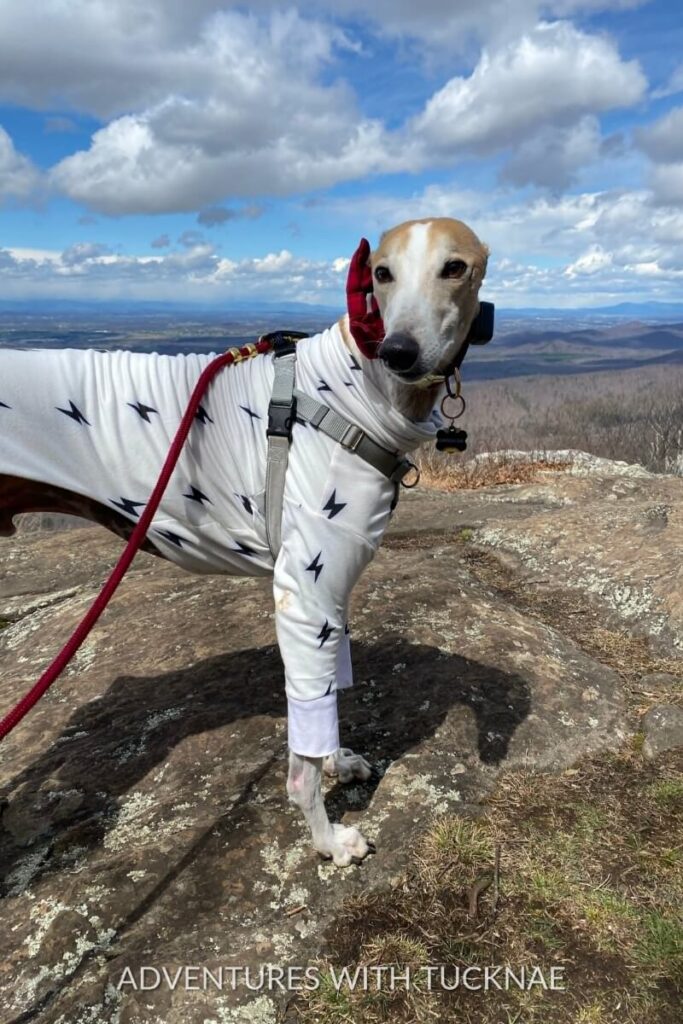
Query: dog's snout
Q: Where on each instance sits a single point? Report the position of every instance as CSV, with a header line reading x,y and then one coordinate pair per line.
x,y
399,351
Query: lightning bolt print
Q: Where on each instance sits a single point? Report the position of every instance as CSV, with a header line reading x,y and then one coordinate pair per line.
x,y
74,413
333,506
325,633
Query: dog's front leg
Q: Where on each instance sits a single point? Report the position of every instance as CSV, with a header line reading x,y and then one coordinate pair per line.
x,y
317,566
344,844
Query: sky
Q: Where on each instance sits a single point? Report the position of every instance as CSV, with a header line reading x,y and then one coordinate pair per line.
x,y
216,152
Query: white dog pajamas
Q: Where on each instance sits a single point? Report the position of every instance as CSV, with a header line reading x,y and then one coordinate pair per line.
x,y
99,424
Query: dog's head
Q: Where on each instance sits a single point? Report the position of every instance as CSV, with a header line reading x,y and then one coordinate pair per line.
x,y
426,277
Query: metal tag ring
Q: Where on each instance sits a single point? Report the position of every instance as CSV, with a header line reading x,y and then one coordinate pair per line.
x,y
459,405
415,482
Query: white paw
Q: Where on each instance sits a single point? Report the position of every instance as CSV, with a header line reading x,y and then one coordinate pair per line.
x,y
347,766
345,845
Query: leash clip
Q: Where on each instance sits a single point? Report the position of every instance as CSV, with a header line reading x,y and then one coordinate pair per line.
x,y
457,380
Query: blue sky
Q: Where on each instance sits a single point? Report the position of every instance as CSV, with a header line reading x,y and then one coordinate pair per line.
x,y
155,149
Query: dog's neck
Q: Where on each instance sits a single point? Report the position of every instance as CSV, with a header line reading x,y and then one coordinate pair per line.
x,y
413,402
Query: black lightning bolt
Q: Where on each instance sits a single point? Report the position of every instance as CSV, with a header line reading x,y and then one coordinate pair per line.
x,y
254,415
197,495
173,537
5,405
245,501
143,410
244,549
324,634
333,506
328,691
74,413
202,415
316,566
126,505
355,365
323,386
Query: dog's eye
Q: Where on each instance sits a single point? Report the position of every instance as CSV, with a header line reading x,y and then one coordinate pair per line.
x,y
383,275
454,268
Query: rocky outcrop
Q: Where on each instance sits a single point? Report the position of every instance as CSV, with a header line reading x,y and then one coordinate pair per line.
x,y
663,729
144,821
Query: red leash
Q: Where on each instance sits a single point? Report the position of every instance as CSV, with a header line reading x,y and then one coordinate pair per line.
x,y
135,540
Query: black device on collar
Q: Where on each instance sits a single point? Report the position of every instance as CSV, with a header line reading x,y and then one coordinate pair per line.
x,y
481,330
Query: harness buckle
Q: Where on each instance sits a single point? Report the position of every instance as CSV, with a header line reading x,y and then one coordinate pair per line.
x,y
280,418
352,437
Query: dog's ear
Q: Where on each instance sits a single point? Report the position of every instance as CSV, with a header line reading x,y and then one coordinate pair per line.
x,y
365,321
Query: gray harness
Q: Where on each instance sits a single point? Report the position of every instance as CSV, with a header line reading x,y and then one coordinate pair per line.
x,y
287,404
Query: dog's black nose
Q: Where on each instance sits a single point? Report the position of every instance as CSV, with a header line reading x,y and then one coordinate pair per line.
x,y
399,351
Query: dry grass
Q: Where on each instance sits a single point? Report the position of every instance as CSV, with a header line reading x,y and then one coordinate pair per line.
x,y
633,415
591,881
446,474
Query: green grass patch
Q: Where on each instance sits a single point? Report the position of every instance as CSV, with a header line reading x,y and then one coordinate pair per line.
x,y
591,880
668,794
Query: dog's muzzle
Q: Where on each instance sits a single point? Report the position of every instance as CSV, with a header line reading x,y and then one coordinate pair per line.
x,y
401,353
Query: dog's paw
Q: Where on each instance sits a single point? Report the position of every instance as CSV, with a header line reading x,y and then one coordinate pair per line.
x,y
345,845
347,766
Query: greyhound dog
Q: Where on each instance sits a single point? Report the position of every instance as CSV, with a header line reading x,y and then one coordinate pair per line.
x,y
85,432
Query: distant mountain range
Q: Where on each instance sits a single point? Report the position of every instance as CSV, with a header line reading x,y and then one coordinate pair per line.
x,y
526,342
46,307
534,348
625,309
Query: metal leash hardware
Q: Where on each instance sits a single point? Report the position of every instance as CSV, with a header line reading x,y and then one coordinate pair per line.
x,y
416,479
453,439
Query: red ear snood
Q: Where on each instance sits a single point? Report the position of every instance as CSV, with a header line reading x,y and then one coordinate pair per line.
x,y
364,319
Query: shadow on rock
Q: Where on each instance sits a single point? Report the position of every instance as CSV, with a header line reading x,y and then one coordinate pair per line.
x,y
68,798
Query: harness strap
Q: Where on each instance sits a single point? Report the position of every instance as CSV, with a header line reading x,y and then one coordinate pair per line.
x,y
351,437
281,413
288,404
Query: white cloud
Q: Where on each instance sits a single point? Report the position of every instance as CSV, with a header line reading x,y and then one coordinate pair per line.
x,y
202,101
18,177
534,241
266,127
667,183
449,25
593,261
92,271
663,142
553,156
586,249
663,139
110,57
553,75
256,122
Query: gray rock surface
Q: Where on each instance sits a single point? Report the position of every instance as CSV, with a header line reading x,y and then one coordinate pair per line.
x,y
663,729
143,817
